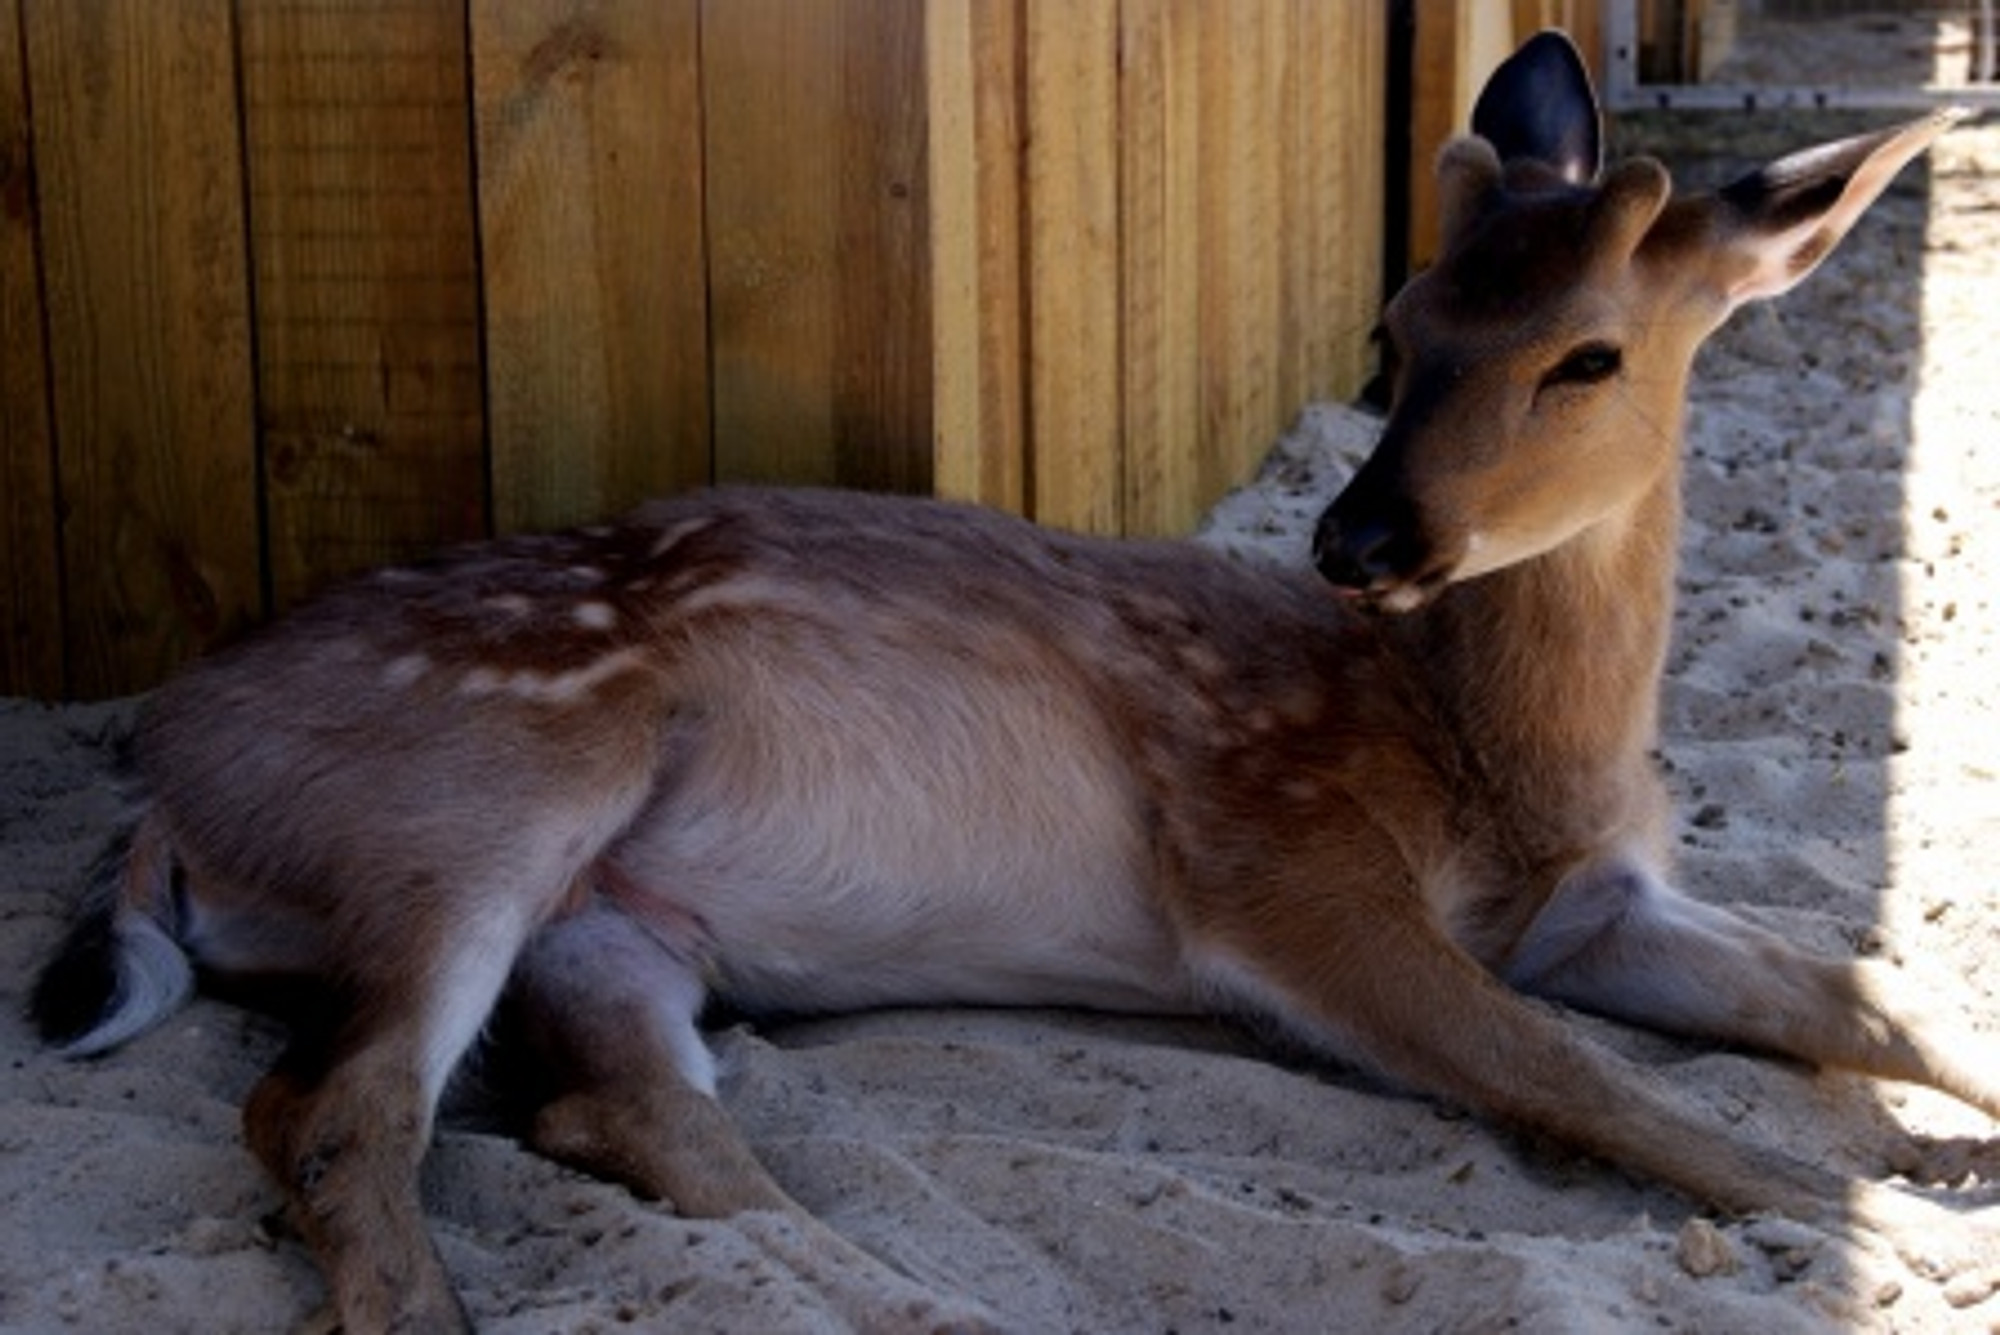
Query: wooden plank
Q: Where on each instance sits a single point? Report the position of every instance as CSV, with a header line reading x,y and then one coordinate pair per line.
x,y
1242,88
883,401
136,154
1334,211
367,294
979,391
1316,217
1161,249
819,252
1297,290
1360,202
1583,20
1441,54
31,645
1075,403
958,447
588,115
769,89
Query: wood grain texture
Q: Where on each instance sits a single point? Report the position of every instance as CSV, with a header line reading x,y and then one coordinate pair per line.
x,y
31,616
588,115
1443,44
819,251
1076,410
1161,238
975,126
135,141
1342,87
368,341
1243,116
1361,208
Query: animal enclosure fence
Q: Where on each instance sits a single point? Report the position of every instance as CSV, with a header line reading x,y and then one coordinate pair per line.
x,y
293,287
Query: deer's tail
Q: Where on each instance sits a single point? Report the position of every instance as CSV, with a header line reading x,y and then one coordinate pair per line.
x,y
121,969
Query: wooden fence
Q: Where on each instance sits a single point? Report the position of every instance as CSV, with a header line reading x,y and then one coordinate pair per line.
x,y
293,287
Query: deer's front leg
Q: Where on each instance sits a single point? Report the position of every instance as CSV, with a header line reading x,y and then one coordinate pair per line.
x,y
1617,941
1345,952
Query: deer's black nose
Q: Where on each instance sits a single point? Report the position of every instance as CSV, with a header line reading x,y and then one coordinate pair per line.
x,y
1364,553
1353,557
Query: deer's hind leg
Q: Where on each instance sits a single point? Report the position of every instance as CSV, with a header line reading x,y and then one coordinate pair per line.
x,y
1617,941
607,1009
343,1120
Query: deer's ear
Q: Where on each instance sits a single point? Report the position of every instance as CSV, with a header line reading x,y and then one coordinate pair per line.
x,y
1539,104
1779,222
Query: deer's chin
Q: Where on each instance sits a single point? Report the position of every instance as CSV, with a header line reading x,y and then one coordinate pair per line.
x,y
1400,596
1403,599
1470,558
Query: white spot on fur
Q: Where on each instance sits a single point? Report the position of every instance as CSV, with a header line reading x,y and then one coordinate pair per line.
x,y
1403,598
405,671
544,688
510,604
673,537
480,681
745,591
595,615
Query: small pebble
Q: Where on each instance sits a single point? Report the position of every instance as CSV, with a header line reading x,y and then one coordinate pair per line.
x,y
1703,1251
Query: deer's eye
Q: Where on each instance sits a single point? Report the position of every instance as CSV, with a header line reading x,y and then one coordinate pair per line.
x,y
1588,365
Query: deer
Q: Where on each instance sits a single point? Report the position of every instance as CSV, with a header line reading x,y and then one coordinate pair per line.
x,y
816,751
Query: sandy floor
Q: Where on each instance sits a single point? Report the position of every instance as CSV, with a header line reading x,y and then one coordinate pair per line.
x,y
1830,726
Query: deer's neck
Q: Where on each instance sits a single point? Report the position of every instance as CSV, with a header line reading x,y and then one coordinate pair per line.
x,y
1547,673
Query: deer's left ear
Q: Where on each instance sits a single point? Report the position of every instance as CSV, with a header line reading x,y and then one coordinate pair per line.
x,y
1778,223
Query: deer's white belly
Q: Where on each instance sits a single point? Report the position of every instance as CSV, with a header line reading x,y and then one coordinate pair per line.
x,y
977,843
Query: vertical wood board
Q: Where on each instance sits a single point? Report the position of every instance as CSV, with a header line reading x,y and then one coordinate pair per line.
x,y
999,146
1072,254
1161,239
367,289
1355,211
590,194
883,401
136,151
31,614
815,140
1242,232
1442,47
974,114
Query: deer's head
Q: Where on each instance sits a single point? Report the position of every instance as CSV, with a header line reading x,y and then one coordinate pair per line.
x,y
1538,367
